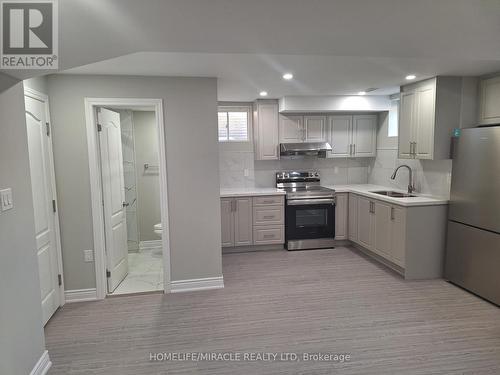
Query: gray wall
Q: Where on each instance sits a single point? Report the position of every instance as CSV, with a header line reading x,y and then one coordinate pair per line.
x,y
21,331
190,106
148,181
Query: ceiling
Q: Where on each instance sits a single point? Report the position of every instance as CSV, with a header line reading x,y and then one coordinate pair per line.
x,y
331,46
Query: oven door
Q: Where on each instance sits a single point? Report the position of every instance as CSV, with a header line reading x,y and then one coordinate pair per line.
x,y
310,219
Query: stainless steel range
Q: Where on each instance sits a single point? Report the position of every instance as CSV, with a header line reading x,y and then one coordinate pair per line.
x,y
309,210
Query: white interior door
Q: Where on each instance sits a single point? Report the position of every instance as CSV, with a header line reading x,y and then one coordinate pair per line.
x,y
43,189
115,225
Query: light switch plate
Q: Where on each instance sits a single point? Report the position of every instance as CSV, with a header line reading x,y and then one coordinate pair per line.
x,y
6,202
88,255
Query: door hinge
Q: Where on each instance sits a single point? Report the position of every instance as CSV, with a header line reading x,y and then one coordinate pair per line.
x,y
47,128
99,127
108,273
54,208
59,279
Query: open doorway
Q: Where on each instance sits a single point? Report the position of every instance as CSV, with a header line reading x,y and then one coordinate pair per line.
x,y
132,252
128,145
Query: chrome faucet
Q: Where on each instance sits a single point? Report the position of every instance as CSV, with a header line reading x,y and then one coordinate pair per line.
x,y
411,187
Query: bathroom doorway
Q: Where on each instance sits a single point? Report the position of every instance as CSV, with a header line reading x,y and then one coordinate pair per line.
x,y
132,191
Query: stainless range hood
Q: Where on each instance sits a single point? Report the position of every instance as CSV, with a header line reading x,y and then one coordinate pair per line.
x,y
318,149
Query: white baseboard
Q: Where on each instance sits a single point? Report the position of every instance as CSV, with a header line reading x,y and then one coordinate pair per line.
x,y
197,284
43,365
80,295
146,245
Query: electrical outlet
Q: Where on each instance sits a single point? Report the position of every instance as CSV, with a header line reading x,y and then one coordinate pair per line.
x,y
88,255
6,202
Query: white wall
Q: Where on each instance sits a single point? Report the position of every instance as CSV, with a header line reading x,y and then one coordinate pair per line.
x,y
190,106
21,332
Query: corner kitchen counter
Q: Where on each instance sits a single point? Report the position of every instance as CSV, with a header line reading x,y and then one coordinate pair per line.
x,y
249,192
361,189
367,191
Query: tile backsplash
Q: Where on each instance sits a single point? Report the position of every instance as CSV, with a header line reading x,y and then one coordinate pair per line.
x,y
238,169
431,177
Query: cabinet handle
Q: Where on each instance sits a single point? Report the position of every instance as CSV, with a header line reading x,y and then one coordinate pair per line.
x,y
350,149
233,205
354,149
414,148
268,235
392,213
269,217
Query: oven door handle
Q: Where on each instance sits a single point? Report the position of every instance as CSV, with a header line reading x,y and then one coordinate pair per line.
x,y
305,202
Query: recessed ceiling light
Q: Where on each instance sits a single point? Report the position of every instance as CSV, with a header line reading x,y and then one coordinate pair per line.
x,y
362,93
263,93
410,77
288,76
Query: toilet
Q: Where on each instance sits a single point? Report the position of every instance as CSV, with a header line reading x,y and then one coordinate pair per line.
x,y
158,229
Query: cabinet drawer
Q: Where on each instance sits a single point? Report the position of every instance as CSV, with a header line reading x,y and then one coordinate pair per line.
x,y
266,235
265,215
268,200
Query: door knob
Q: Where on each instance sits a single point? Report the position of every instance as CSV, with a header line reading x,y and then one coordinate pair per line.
x,y
125,204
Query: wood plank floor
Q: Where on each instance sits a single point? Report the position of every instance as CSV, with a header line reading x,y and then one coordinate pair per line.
x,y
329,301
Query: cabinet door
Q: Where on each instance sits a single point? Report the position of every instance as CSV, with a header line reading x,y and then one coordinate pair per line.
x,y
406,124
291,129
425,120
489,101
398,235
266,132
243,226
353,217
227,222
341,217
315,128
364,135
382,238
365,223
340,136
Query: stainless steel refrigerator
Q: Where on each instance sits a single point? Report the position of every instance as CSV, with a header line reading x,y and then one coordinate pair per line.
x,y
473,246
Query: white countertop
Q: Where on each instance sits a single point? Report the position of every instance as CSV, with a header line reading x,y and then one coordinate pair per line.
x,y
249,192
361,189
367,189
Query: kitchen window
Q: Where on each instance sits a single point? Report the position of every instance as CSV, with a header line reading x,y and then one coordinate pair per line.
x,y
234,124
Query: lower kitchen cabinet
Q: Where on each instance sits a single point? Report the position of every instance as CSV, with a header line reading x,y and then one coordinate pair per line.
x,y
382,233
353,217
227,222
411,238
243,221
341,216
236,221
366,222
249,221
398,235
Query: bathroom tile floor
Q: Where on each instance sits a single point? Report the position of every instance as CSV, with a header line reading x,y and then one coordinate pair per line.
x,y
145,273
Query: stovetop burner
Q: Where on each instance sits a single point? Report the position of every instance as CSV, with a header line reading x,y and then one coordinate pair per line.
x,y
302,185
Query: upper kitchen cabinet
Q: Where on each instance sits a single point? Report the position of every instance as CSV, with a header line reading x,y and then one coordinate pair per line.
x,y
298,128
353,136
314,128
429,111
489,101
291,129
266,130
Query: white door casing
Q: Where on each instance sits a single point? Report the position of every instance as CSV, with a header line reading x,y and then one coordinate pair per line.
x,y
47,238
115,226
